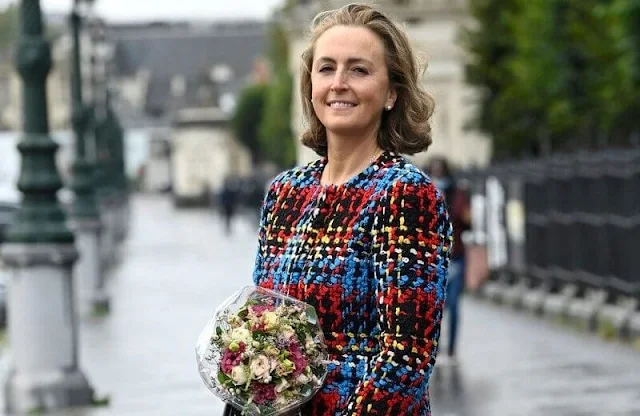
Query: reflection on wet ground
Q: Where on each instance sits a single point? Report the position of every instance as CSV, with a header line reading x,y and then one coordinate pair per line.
x,y
513,364
177,266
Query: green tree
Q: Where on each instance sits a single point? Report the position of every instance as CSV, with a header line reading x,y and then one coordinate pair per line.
x,y
276,137
247,118
278,51
552,74
489,43
628,122
538,76
600,57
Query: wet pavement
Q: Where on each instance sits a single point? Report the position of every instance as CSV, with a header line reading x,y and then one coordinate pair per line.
x,y
178,265
513,364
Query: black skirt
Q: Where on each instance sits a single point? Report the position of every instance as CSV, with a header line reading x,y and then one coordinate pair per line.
x,y
232,411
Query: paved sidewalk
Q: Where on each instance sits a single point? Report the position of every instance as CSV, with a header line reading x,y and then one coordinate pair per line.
x,y
513,364
177,267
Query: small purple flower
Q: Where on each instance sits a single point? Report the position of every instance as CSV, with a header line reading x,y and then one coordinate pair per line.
x,y
282,343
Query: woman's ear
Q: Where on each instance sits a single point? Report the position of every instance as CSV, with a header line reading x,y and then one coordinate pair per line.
x,y
392,96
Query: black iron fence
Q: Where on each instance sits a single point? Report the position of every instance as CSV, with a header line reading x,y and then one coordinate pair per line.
x,y
566,219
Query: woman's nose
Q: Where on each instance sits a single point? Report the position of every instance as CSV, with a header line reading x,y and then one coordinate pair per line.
x,y
339,82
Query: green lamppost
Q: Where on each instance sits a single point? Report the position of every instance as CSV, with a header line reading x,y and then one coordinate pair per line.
x,y
104,162
40,251
110,148
85,219
115,138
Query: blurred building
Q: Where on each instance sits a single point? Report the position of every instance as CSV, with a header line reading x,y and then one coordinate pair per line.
x,y
433,27
204,153
157,73
160,68
186,77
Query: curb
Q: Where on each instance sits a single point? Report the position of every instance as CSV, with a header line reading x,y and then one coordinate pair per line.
x,y
590,313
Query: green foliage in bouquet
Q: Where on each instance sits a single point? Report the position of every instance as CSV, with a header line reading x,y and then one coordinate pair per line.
x,y
267,356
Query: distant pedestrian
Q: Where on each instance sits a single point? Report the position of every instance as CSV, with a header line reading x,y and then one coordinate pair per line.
x,y
229,202
459,208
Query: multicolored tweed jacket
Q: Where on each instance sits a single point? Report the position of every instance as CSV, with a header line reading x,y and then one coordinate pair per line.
x,y
371,255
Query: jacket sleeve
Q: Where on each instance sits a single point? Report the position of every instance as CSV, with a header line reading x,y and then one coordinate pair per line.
x,y
411,244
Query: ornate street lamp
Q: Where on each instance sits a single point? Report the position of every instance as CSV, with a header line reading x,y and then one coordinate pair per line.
x,y
110,145
40,251
85,218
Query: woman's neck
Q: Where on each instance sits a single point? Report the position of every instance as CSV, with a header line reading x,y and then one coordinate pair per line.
x,y
346,158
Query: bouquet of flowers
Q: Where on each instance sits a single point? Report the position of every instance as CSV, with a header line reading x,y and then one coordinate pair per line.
x,y
263,352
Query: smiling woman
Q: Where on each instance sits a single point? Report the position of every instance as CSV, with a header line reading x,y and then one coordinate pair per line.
x,y
350,84
362,234
375,54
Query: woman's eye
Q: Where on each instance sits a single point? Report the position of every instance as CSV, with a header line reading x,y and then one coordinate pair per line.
x,y
360,70
324,69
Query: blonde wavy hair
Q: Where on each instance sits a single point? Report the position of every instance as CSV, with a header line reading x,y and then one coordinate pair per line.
x,y
406,127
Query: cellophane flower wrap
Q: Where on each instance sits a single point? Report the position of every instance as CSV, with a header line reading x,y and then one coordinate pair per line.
x,y
263,352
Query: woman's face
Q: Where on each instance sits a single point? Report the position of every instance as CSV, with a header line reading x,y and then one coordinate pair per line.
x,y
349,81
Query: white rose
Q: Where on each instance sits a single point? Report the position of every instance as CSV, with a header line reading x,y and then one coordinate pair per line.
x,y
225,338
241,334
261,368
239,375
271,320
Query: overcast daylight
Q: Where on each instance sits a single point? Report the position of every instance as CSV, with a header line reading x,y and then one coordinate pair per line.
x,y
123,10
319,207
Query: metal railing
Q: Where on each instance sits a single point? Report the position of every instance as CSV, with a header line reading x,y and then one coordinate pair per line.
x,y
565,219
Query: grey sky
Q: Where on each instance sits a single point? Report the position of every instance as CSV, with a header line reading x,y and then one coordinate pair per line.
x,y
127,10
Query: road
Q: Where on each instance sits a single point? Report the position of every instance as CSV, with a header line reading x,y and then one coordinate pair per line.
x,y
178,265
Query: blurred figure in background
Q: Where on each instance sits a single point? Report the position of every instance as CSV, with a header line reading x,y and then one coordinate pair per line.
x,y
459,207
229,202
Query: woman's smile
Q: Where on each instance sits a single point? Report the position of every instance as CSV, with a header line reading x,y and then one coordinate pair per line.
x,y
350,84
341,105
